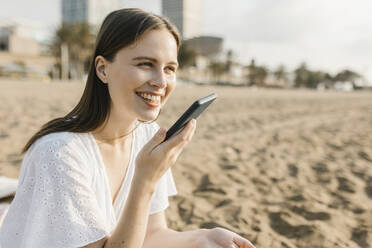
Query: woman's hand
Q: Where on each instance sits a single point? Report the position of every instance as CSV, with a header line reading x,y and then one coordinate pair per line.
x,y
156,157
222,238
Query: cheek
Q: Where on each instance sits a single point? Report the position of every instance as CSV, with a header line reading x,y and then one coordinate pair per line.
x,y
170,87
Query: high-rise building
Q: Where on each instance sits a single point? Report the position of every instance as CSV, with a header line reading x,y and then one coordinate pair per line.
x,y
90,11
185,14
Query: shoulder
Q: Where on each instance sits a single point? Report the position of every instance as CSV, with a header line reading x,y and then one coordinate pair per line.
x,y
58,145
54,141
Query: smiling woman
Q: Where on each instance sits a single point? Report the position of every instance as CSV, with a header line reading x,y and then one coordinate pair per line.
x,y
101,175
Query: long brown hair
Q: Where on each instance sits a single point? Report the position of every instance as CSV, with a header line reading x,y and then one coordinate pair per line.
x,y
120,28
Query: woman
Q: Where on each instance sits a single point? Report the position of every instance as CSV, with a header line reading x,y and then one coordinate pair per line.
x,y
100,176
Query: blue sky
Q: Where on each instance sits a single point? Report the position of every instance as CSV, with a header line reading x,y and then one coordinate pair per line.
x,y
329,35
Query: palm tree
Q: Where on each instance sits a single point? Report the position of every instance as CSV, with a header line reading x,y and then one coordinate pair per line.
x,y
257,74
217,68
79,40
281,74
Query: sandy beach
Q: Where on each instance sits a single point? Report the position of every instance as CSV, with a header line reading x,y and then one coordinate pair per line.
x,y
283,168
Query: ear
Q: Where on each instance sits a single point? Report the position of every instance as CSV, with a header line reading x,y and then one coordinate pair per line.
x,y
100,66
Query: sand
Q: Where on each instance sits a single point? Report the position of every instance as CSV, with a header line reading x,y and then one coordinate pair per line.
x,y
283,168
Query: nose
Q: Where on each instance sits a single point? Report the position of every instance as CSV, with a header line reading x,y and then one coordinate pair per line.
x,y
159,80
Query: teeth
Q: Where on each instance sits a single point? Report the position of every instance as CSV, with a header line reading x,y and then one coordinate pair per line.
x,y
152,98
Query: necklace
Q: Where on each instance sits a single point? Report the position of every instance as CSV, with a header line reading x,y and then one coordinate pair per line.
x,y
119,137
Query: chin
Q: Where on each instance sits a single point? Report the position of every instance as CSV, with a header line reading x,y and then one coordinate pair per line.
x,y
149,116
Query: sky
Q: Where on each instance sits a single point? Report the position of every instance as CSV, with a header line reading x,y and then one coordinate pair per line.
x,y
329,35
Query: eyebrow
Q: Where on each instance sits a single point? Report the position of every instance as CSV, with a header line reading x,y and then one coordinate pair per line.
x,y
152,59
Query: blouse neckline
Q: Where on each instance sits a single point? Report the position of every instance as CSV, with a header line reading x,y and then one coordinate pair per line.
x,y
114,202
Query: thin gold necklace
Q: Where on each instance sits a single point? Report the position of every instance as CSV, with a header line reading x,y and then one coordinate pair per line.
x,y
119,137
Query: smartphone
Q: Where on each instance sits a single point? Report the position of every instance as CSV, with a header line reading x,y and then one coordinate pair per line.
x,y
191,113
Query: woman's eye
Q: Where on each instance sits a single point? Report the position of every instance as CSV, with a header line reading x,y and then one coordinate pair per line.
x,y
170,68
147,64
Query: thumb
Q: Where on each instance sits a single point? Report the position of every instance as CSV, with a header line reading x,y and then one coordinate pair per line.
x,y
158,137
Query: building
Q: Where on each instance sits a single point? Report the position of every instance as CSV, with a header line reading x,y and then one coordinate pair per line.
x,y
185,14
207,46
17,37
89,11
21,50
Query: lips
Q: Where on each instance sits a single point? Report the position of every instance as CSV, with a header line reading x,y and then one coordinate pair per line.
x,y
151,99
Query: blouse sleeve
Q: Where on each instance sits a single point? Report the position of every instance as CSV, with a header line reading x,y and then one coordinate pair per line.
x,y
166,186
55,205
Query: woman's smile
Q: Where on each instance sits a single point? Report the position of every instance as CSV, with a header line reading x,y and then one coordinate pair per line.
x,y
150,99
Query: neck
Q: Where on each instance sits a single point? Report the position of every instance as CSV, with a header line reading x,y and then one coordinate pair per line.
x,y
115,130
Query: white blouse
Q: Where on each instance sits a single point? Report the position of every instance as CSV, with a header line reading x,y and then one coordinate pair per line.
x,y
63,197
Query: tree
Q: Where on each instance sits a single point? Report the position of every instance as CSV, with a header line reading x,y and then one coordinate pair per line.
x,y
281,74
217,68
309,79
229,60
79,39
301,76
347,76
257,74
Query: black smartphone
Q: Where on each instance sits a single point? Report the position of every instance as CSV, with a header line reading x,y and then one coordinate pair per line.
x,y
191,113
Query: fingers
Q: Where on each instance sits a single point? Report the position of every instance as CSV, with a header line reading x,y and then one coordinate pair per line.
x,y
156,139
242,242
183,137
234,246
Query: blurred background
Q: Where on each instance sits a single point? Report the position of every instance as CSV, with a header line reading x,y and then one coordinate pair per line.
x,y
317,44
282,157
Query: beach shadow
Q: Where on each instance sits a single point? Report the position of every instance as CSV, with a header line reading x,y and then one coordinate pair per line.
x,y
292,170
310,215
186,211
359,236
207,186
282,227
368,190
345,185
232,215
3,134
364,156
15,159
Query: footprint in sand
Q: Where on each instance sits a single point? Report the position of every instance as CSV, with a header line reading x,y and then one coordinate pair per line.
x,y
234,179
186,211
335,147
228,167
296,198
345,185
365,156
13,124
224,203
322,173
207,186
358,172
3,134
14,158
310,215
359,236
232,215
320,168
368,190
282,227
292,170
339,201
211,224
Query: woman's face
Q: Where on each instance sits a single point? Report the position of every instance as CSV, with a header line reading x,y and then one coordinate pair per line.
x,y
142,75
